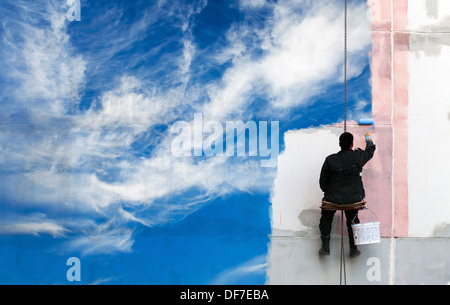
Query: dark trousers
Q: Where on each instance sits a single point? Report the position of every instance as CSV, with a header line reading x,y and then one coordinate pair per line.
x,y
327,219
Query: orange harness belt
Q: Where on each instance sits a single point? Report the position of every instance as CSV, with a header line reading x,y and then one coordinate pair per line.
x,y
333,206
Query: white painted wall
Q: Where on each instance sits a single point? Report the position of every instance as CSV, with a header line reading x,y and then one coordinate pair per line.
x,y
294,260
429,118
296,187
425,13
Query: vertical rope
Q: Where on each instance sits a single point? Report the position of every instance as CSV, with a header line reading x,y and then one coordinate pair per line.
x,y
342,268
345,69
343,272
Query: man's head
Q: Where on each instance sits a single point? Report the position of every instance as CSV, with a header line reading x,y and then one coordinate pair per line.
x,y
346,141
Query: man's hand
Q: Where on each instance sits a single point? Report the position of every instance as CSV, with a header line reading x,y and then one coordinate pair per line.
x,y
368,138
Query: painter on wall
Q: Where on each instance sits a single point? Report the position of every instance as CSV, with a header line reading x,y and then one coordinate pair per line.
x,y
340,180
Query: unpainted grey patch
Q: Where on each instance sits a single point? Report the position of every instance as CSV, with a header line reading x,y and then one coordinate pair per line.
x,y
312,130
305,233
429,44
443,26
448,116
432,8
336,130
442,230
310,218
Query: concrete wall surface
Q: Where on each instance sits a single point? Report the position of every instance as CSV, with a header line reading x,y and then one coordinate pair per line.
x,y
407,180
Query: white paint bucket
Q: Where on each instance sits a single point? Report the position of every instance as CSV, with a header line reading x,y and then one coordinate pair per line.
x,y
366,233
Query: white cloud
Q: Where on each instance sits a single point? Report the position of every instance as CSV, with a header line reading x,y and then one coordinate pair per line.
x,y
303,53
252,3
32,224
61,160
232,276
359,110
108,242
42,62
34,228
102,281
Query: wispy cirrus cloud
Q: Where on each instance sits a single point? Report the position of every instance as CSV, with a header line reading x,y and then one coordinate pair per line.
x,y
34,224
106,159
238,274
42,73
295,56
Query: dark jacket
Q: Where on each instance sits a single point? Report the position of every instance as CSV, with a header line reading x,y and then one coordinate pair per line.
x,y
340,178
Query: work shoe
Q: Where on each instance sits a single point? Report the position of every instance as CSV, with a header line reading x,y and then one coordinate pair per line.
x,y
325,250
354,252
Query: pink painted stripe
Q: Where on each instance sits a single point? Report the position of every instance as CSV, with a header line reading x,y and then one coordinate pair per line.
x,y
385,177
377,174
400,118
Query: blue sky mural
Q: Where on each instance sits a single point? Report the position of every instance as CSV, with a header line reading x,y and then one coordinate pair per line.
x,y
88,100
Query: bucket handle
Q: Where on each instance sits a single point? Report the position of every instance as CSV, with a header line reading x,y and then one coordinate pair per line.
x,y
365,208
